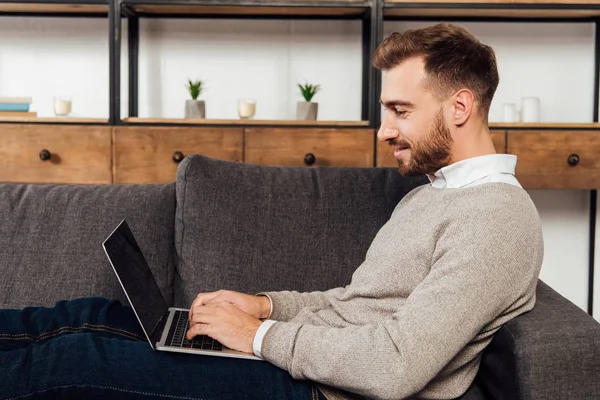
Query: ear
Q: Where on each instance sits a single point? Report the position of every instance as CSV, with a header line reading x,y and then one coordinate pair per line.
x,y
462,107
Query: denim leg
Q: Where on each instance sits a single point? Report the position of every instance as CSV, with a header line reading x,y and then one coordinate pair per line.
x,y
104,354
110,318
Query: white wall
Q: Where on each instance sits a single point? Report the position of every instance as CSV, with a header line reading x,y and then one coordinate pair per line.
x,y
41,57
265,59
258,59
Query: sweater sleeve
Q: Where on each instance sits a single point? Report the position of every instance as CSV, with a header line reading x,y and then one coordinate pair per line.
x,y
479,271
286,304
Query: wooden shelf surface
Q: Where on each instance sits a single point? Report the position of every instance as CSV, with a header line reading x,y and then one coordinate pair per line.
x,y
540,3
246,122
290,8
578,9
543,125
66,120
100,8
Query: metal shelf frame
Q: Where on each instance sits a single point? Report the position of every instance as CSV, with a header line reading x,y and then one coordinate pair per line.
x,y
369,16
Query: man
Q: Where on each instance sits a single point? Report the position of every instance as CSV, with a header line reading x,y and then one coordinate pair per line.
x,y
457,259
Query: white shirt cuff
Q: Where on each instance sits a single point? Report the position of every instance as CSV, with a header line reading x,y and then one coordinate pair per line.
x,y
260,335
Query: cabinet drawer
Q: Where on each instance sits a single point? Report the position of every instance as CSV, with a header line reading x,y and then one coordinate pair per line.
x,y
309,147
556,159
385,154
55,154
145,154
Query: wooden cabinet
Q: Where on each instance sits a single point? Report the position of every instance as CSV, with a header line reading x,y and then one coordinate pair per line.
x,y
309,147
144,154
96,154
556,159
55,153
385,155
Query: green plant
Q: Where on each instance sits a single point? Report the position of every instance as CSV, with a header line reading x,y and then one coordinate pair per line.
x,y
195,88
308,91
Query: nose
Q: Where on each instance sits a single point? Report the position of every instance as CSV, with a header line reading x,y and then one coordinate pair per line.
x,y
386,131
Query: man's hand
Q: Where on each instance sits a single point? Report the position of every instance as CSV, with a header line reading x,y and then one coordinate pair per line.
x,y
257,306
226,323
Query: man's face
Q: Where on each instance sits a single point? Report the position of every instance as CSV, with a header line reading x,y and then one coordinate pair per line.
x,y
414,122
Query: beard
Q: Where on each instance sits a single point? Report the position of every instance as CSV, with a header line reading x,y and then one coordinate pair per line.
x,y
428,154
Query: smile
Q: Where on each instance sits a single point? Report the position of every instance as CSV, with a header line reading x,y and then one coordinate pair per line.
x,y
399,151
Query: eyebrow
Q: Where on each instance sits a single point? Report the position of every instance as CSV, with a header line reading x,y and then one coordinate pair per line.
x,y
393,103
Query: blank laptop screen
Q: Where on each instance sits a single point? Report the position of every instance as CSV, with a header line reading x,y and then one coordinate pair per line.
x,y
135,276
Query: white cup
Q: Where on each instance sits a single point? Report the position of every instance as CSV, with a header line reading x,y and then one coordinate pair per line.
x,y
62,105
531,109
246,108
509,112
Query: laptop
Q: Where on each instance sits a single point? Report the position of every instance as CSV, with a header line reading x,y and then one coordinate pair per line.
x,y
164,327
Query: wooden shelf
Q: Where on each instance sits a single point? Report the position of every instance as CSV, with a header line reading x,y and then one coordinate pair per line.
x,y
247,122
35,120
543,125
286,9
42,7
532,9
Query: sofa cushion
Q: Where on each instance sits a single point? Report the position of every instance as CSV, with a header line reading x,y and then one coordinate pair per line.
x,y
253,228
550,352
51,239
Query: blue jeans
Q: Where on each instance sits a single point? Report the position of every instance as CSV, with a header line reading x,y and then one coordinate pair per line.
x,y
94,348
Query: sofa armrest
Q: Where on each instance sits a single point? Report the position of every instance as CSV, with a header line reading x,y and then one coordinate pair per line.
x,y
551,352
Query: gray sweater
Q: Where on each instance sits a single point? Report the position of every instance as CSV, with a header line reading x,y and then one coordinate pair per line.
x,y
439,279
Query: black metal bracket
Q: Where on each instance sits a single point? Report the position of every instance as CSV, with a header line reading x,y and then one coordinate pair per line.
x,y
594,192
133,44
114,45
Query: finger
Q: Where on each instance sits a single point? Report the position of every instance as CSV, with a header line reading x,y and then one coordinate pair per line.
x,y
203,298
203,317
198,329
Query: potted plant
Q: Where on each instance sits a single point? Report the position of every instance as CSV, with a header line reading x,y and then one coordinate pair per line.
x,y
195,108
307,110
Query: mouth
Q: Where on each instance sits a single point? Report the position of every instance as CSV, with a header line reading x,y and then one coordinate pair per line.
x,y
399,150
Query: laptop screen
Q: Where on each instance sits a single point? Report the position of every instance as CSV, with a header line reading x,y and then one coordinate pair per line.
x,y
135,277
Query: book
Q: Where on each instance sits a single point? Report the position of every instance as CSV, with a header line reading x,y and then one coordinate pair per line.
x,y
14,107
24,114
17,100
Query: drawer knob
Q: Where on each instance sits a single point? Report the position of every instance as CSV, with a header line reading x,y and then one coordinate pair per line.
x,y
309,159
573,160
45,155
177,157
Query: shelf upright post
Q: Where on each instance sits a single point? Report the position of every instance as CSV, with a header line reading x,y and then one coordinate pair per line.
x,y
594,192
372,35
133,43
114,45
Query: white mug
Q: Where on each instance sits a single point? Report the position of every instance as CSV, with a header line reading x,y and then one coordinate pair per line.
x,y
510,112
531,109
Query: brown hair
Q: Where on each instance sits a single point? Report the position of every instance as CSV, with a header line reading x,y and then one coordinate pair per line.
x,y
453,57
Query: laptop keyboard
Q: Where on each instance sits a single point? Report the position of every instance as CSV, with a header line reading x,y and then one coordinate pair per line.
x,y
179,328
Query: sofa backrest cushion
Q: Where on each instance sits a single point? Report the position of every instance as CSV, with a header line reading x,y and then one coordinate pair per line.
x,y
252,228
550,352
51,239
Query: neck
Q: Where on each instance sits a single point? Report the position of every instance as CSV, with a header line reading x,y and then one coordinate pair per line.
x,y
472,141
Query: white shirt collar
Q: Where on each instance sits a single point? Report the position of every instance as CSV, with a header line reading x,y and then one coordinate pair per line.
x,y
465,172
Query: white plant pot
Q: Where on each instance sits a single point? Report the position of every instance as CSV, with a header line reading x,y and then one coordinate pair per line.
x,y
195,109
307,111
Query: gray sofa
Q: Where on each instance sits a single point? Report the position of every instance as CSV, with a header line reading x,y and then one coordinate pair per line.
x,y
252,228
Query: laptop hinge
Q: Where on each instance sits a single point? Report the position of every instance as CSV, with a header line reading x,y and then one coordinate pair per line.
x,y
158,329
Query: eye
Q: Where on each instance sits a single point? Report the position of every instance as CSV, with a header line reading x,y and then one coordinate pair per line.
x,y
399,113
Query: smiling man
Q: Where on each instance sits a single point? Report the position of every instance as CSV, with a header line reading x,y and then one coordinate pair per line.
x,y
457,259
